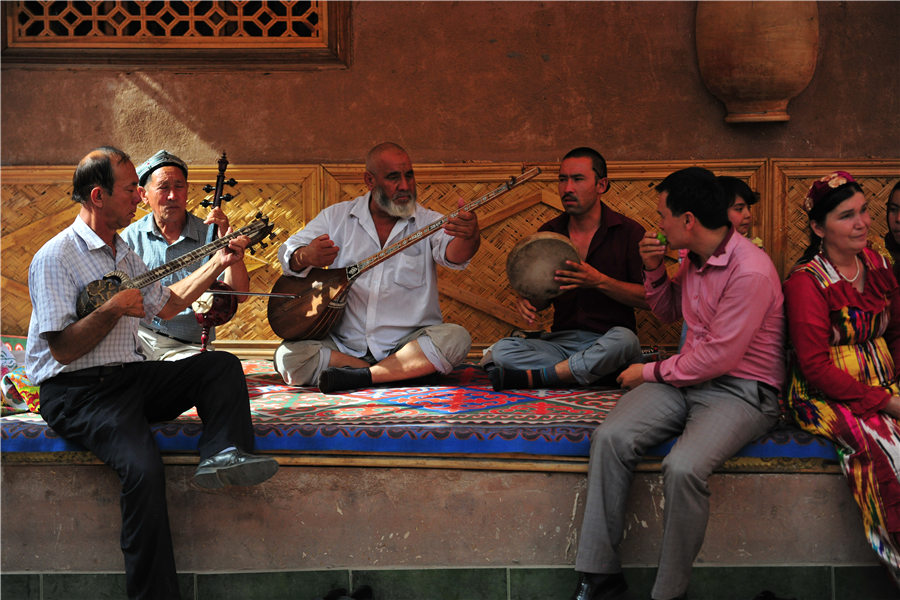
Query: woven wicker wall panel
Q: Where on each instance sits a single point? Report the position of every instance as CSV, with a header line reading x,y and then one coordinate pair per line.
x,y
480,297
287,196
791,181
36,204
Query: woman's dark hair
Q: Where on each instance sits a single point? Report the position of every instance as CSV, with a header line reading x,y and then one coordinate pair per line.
x,y
96,170
696,190
819,212
894,190
737,188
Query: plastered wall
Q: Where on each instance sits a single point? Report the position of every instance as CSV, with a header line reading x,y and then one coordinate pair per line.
x,y
461,81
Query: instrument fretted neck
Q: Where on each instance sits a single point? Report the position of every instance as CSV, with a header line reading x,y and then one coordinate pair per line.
x,y
184,260
354,271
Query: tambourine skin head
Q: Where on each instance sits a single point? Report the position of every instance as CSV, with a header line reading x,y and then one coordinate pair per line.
x,y
532,264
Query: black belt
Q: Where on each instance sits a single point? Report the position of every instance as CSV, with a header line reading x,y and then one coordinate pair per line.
x,y
86,376
172,337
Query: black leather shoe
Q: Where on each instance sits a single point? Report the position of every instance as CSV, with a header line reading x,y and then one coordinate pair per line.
x,y
234,467
601,587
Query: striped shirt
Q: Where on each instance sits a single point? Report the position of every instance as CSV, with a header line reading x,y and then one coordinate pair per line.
x,y
59,272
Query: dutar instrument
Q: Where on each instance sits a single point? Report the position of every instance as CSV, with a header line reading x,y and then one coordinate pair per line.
x,y
316,302
97,292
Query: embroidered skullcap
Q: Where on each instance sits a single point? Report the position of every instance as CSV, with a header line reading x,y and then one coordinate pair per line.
x,y
822,187
160,159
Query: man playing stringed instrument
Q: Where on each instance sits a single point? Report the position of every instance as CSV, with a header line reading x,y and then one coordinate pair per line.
x,y
97,389
391,328
168,232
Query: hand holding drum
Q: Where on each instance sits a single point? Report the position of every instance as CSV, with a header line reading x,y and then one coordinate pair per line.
x,y
532,264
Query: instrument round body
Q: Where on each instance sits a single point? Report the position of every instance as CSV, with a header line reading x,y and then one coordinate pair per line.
x,y
318,304
532,264
212,310
97,292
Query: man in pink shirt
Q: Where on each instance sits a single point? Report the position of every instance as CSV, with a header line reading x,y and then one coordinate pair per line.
x,y
718,394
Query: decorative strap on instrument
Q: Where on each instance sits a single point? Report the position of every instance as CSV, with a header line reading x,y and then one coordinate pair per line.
x,y
354,271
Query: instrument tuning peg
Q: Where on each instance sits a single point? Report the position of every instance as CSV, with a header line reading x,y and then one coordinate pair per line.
x,y
208,188
226,197
231,182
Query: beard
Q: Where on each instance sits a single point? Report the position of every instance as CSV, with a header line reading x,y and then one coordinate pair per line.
x,y
395,209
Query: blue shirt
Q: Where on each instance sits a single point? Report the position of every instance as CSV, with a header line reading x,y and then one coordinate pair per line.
x,y
59,271
146,239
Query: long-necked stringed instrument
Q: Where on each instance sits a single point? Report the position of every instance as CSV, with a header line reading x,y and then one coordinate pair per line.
x,y
308,307
97,292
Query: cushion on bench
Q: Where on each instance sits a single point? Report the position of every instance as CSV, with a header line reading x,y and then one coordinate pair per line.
x,y
458,413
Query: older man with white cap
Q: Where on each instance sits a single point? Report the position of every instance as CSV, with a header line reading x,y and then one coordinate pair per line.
x,y
168,232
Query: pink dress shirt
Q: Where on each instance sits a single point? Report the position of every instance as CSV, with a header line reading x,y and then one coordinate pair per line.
x,y
733,307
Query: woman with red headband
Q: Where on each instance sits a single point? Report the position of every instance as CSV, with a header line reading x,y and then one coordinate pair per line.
x,y
843,314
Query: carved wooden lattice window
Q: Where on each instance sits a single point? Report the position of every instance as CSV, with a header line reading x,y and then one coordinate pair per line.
x,y
160,34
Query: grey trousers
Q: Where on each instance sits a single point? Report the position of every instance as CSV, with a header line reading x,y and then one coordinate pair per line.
x,y
160,347
591,356
714,420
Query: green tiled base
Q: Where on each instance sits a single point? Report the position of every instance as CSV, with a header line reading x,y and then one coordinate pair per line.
x,y
707,583
270,586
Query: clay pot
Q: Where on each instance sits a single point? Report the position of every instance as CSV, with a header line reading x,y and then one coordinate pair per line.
x,y
756,56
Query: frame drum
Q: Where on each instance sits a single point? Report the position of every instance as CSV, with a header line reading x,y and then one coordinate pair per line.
x,y
533,262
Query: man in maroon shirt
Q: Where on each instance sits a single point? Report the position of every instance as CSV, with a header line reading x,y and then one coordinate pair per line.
x,y
593,332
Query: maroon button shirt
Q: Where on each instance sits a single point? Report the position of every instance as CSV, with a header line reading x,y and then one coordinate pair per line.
x,y
613,252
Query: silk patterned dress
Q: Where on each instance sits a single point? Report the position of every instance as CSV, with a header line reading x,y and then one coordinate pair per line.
x,y
845,348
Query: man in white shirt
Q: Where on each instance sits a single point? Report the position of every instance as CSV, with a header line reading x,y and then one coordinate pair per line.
x,y
391,328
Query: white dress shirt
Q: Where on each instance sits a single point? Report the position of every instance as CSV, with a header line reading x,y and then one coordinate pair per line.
x,y
391,299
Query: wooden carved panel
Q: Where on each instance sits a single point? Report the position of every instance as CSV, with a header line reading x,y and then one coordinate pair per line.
x,y
196,36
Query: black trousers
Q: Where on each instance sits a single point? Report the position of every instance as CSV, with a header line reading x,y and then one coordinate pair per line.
x,y
110,415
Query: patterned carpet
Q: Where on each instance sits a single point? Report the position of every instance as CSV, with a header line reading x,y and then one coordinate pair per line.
x,y
454,414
